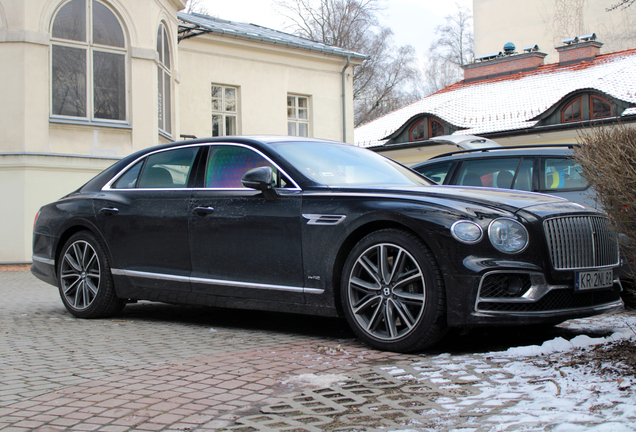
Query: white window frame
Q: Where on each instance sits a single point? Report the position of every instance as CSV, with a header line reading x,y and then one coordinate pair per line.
x,y
164,68
295,116
89,48
223,112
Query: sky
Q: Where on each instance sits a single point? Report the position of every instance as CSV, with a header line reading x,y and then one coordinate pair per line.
x,y
413,21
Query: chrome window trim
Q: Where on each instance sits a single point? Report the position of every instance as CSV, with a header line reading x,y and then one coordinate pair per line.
x,y
108,186
236,284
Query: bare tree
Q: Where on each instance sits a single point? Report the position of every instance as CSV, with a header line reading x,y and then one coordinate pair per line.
x,y
196,6
382,83
623,4
564,19
452,48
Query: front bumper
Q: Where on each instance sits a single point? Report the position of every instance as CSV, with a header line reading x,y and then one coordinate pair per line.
x,y
520,297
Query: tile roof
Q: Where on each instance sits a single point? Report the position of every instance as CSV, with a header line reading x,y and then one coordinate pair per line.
x,y
511,102
195,24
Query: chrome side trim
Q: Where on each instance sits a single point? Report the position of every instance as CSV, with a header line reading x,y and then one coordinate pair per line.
x,y
43,260
108,185
320,219
187,279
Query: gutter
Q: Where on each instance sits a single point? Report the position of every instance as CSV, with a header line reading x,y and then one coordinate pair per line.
x,y
344,100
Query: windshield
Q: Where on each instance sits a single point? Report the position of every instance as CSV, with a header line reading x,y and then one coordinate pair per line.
x,y
334,164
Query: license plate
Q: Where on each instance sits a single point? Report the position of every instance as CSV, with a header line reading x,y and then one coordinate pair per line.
x,y
593,279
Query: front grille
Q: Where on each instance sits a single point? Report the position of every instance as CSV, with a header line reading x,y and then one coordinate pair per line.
x,y
581,242
555,300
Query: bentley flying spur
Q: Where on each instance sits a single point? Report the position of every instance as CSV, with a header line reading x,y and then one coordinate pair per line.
x,y
308,226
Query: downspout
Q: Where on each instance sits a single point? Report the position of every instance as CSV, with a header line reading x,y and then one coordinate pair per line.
x,y
344,100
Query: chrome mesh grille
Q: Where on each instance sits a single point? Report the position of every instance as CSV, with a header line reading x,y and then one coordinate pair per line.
x,y
581,242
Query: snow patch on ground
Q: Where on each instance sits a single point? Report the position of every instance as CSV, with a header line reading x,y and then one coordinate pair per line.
x,y
317,380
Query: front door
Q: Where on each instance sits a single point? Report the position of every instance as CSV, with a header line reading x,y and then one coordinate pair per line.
x,y
242,244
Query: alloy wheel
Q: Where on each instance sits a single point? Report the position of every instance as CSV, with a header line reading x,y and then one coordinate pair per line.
x,y
80,275
387,292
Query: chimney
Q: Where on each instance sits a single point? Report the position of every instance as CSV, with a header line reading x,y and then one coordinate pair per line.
x,y
579,49
506,63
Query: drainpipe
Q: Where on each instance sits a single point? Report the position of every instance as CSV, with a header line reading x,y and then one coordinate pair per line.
x,y
344,100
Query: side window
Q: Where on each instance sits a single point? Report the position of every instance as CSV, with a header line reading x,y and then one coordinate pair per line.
x,y
498,172
129,179
168,169
227,164
523,181
562,173
437,172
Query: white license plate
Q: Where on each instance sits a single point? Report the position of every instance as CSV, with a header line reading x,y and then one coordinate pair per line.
x,y
593,279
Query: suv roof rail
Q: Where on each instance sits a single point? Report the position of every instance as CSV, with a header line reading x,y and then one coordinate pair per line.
x,y
504,148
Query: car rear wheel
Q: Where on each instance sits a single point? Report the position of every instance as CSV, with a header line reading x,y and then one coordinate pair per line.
x,y
392,292
85,280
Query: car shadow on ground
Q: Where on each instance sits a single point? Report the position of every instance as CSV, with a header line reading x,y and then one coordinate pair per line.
x,y
456,341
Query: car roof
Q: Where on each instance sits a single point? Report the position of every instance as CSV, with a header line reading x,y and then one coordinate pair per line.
x,y
532,150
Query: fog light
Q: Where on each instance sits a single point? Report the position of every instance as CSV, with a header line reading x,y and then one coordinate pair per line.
x,y
514,286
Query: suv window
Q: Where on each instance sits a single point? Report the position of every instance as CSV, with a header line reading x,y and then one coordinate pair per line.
x,y
436,172
497,172
561,173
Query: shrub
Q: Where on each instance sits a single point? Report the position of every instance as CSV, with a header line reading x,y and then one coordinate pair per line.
x,y
608,158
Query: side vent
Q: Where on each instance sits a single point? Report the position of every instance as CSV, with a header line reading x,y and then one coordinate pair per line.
x,y
319,219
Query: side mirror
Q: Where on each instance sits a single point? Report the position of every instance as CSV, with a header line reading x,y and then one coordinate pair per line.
x,y
260,179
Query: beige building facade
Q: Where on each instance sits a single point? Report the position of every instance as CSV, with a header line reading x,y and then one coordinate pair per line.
x,y
547,22
86,82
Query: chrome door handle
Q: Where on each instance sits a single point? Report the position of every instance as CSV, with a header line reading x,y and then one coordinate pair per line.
x,y
109,211
203,211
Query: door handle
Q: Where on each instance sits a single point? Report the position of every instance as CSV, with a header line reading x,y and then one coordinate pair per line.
x,y
109,211
203,211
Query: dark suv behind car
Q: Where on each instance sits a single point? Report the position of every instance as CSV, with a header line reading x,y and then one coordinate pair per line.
x,y
547,169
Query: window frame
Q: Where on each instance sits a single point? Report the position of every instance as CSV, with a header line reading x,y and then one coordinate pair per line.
x,y
419,122
296,120
578,99
430,127
89,47
222,112
166,71
602,99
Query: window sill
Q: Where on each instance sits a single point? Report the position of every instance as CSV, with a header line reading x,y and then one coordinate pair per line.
x,y
90,123
166,135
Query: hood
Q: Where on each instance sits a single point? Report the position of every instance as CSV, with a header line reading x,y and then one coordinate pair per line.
x,y
507,200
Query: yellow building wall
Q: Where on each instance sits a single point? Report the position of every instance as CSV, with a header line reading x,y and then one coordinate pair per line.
x,y
264,75
540,22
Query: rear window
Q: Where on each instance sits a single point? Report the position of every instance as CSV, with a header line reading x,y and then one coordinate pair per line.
x,y
561,174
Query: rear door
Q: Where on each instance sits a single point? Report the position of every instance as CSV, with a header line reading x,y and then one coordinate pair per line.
x,y
144,216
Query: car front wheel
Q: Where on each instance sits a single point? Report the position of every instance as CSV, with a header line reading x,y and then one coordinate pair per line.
x,y
392,292
84,278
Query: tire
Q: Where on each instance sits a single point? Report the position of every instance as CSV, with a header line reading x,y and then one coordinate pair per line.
x,y
392,292
84,278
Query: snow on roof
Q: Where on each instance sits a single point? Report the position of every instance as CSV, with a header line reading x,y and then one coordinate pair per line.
x,y
199,23
513,101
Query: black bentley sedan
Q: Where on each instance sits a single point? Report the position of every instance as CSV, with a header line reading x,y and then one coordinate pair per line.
x,y
319,227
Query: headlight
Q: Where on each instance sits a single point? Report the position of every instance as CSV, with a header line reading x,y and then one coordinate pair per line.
x,y
467,232
508,235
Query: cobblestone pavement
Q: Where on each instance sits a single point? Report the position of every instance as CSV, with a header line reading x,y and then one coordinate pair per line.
x,y
171,368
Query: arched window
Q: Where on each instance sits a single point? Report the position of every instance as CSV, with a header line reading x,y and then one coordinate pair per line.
x,y
572,111
88,62
599,107
435,128
417,131
164,81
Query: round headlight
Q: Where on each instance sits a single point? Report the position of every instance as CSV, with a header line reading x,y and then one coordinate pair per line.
x,y
508,235
467,232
